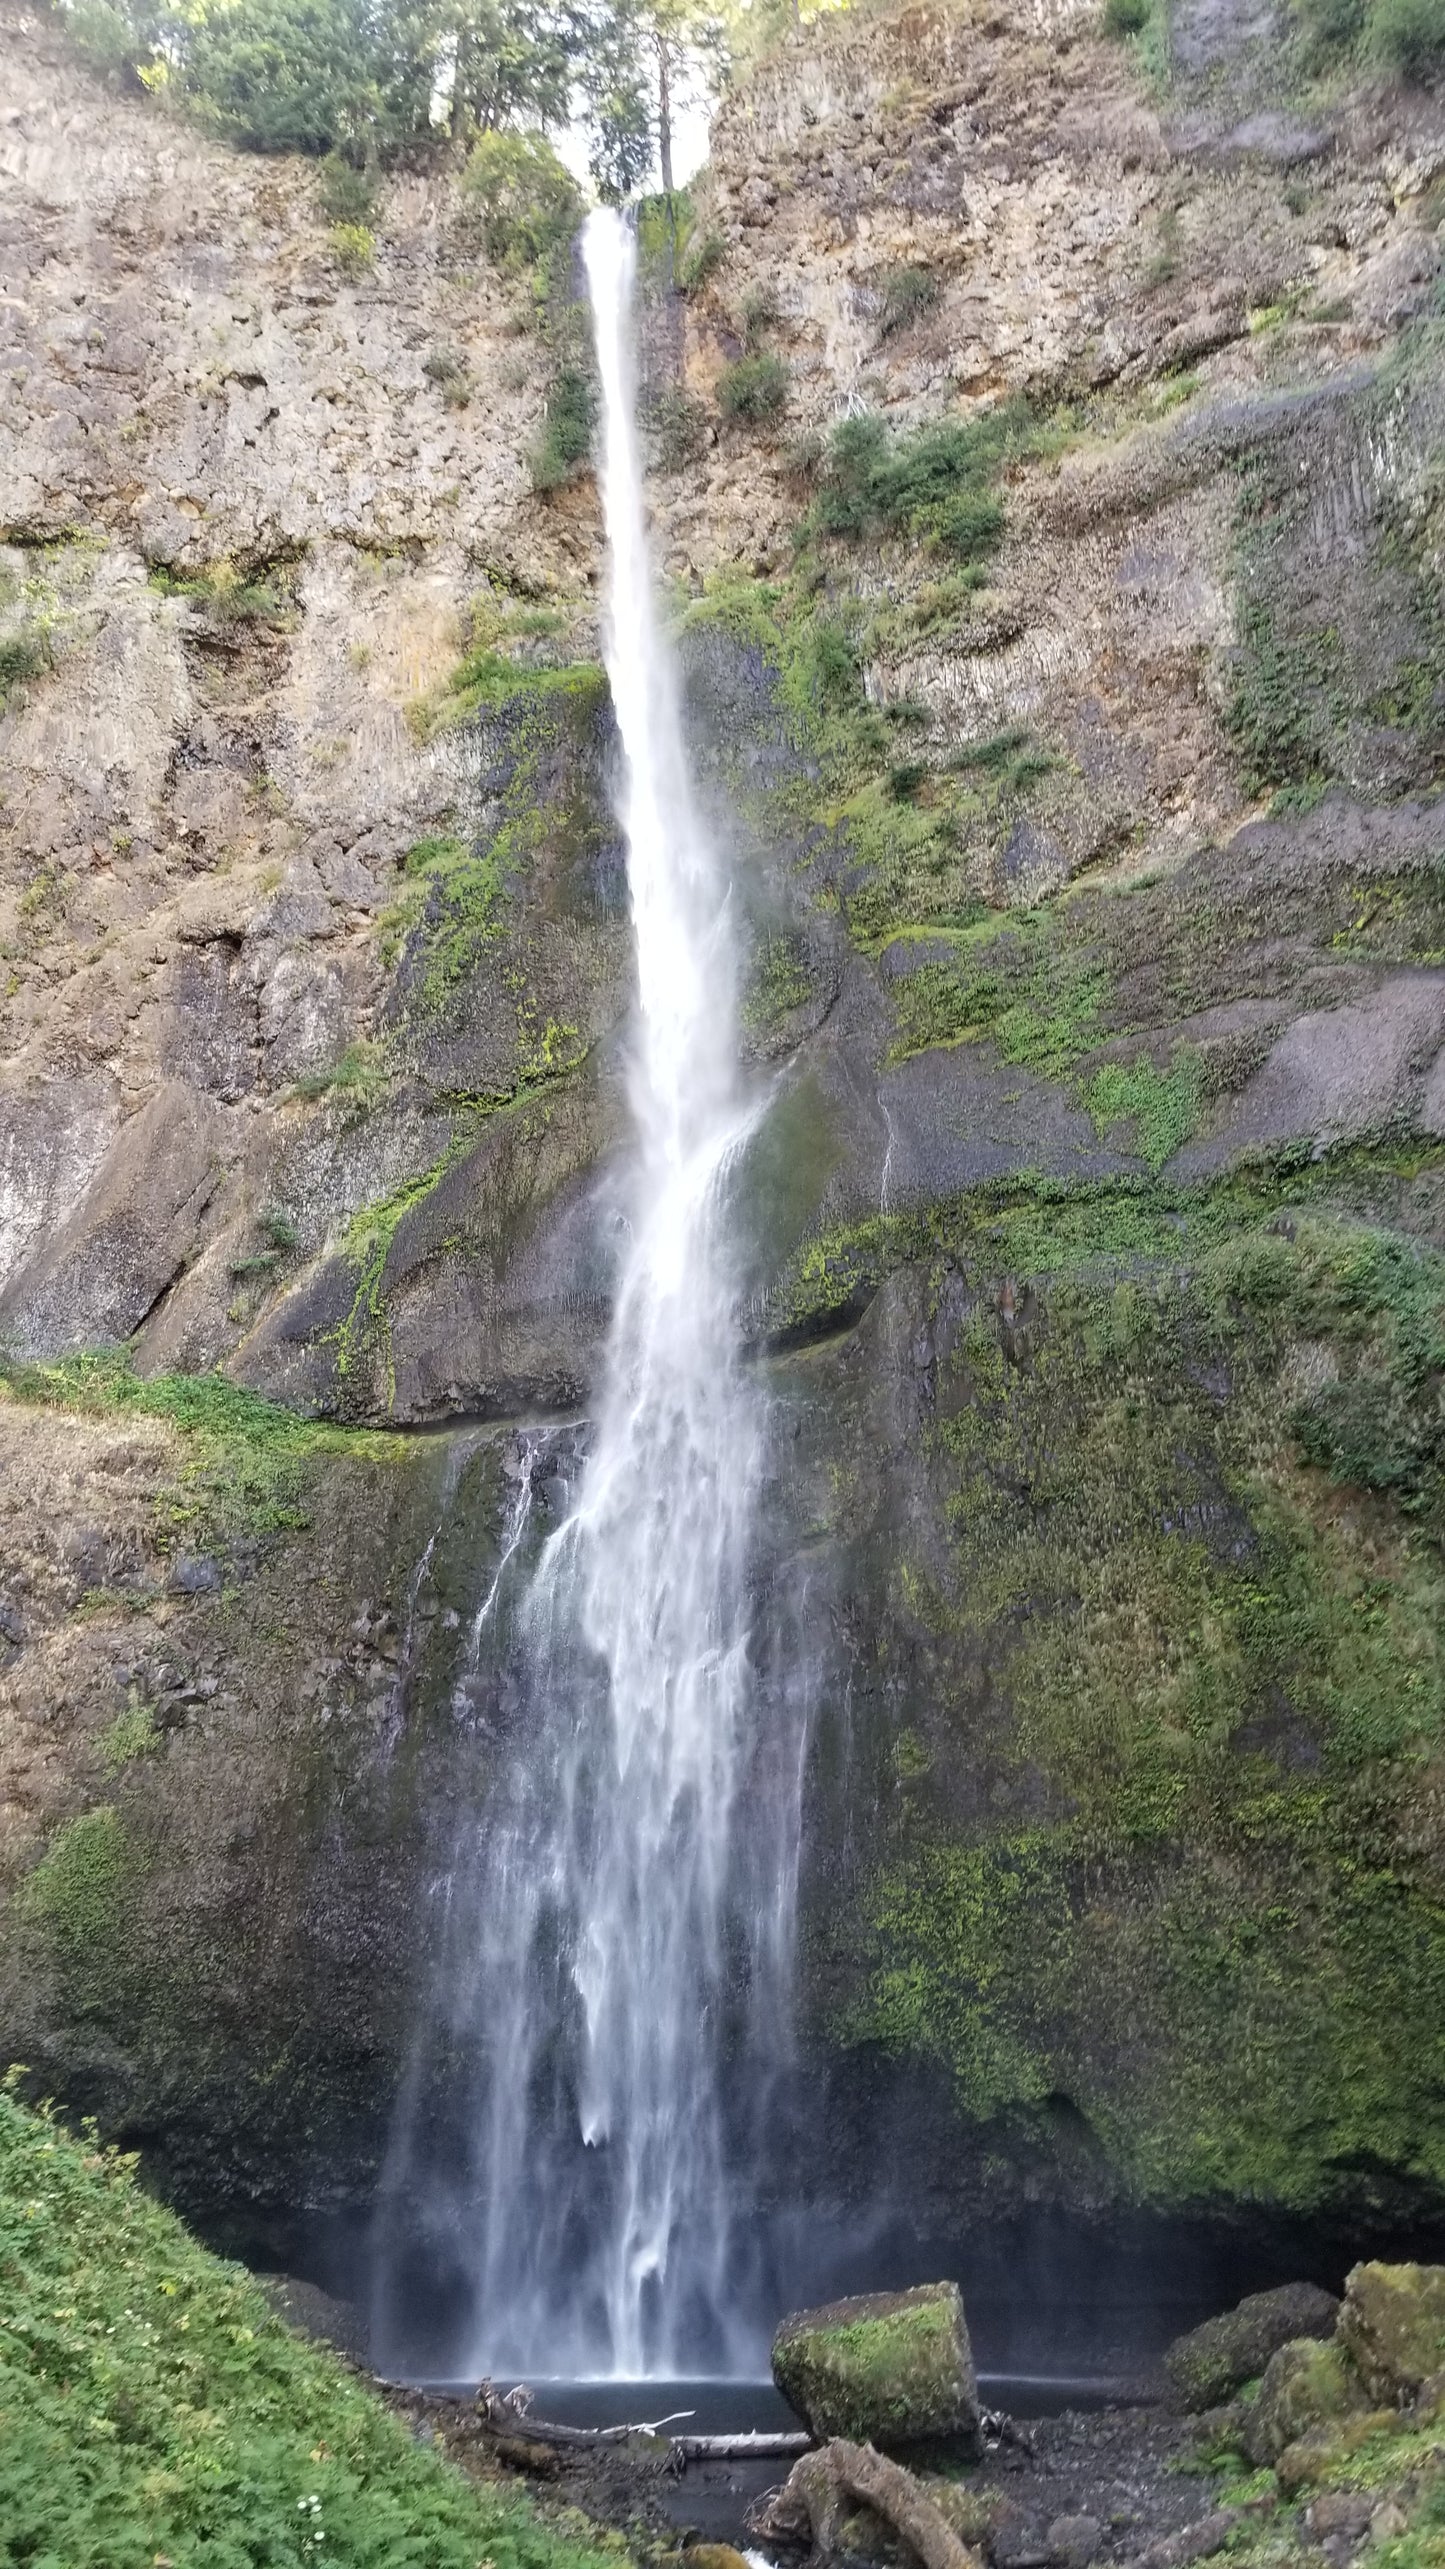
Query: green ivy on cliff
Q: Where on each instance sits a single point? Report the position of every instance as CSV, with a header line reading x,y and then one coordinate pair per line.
x,y
153,2408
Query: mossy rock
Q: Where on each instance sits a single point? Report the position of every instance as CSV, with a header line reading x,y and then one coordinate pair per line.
x,y
1211,2361
1309,2391
1392,2326
883,2368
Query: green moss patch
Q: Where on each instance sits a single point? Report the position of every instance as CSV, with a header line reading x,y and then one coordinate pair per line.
x,y
1211,1620
151,2407
247,1460
1339,671
79,1894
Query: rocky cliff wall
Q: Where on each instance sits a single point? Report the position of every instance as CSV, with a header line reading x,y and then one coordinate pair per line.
x,y
1094,873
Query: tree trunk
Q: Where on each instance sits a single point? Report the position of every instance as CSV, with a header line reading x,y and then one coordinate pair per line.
x,y
664,118
820,2489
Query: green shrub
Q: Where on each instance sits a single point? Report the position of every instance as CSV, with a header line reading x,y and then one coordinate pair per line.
x,y
447,369
154,2408
753,391
288,75
1332,26
934,482
79,1884
1407,36
566,439
130,1736
530,205
360,1074
276,1224
105,37
1126,17
907,294
23,655
248,1461
353,247
995,755
347,194
702,263
759,313
1402,37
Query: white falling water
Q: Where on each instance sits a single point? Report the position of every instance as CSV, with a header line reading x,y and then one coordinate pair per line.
x,y
624,1936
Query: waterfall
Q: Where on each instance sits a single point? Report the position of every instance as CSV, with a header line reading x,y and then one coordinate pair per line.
x,y
625,1957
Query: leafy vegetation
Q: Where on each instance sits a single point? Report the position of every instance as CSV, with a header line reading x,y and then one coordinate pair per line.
x,y
754,390
935,483
248,1460
1162,1106
1406,37
566,439
528,204
24,654
353,247
229,595
152,2407
359,1077
907,294
344,79
1339,672
459,894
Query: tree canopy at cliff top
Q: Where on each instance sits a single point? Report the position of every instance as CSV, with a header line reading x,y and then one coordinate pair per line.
x,y
377,81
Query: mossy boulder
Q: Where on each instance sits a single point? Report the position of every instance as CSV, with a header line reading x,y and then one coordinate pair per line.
x,y
1309,2391
1209,2362
1392,2326
888,2369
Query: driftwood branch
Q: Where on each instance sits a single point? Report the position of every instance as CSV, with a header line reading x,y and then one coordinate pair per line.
x,y
824,2485
510,2413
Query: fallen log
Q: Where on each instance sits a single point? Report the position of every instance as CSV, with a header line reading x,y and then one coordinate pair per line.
x,y
509,2413
820,2489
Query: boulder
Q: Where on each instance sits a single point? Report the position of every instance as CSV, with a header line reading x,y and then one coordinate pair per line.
x,y
1392,2325
1209,2362
889,2369
1075,2541
1307,2391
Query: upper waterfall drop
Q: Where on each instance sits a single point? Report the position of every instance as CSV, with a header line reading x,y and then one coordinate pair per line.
x,y
618,1947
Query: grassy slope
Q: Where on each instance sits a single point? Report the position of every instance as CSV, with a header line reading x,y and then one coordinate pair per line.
x,y
154,2414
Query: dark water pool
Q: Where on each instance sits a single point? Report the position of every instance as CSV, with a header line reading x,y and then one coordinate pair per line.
x,y
745,2408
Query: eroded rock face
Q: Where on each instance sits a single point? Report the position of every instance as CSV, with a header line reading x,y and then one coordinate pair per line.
x,y
890,2369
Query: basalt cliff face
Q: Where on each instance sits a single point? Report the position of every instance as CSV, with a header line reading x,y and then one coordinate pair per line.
x,y
1094,862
